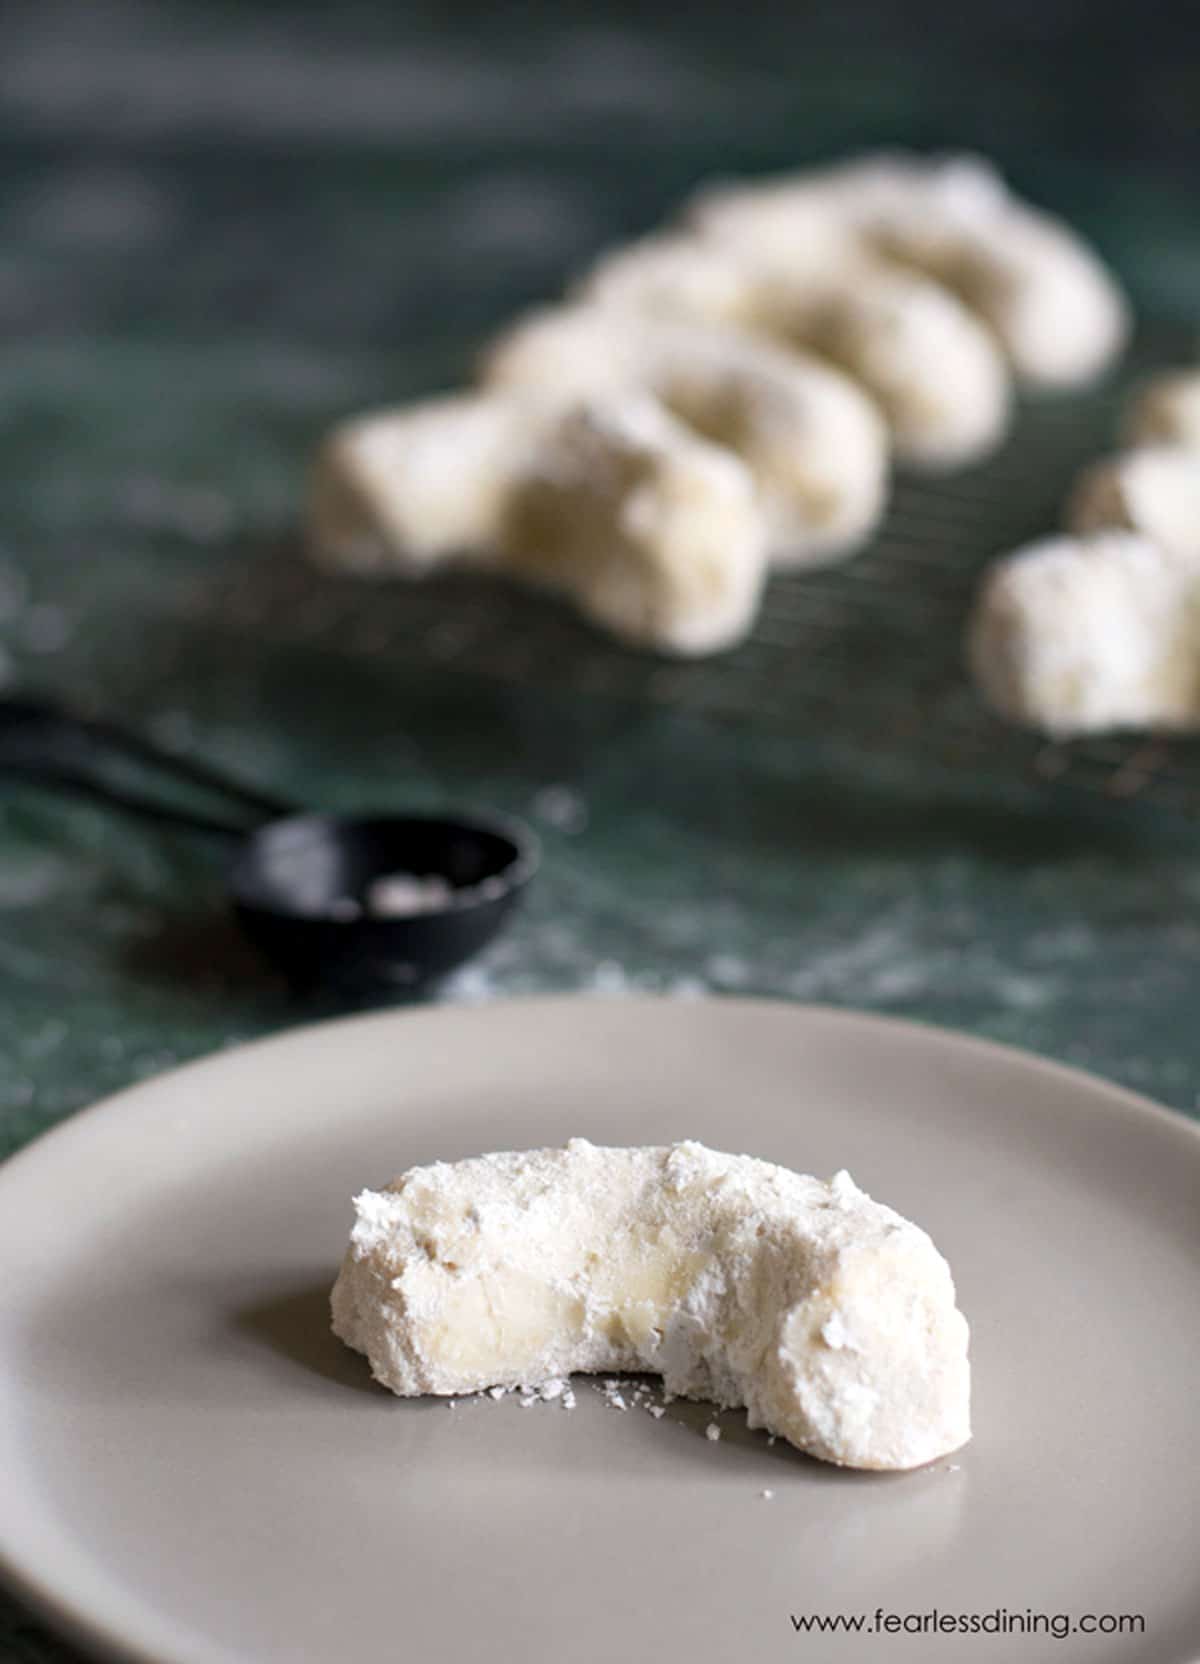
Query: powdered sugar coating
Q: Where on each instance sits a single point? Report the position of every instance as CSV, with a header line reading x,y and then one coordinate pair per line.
x,y
814,443
718,1272
930,365
407,490
1049,300
1079,635
650,530
1154,490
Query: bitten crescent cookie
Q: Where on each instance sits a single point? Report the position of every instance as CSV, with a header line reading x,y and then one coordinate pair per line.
x,y
824,1313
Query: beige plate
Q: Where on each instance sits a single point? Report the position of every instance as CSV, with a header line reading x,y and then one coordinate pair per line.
x,y
194,1470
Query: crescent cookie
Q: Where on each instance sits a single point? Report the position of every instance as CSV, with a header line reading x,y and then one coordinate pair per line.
x,y
824,1313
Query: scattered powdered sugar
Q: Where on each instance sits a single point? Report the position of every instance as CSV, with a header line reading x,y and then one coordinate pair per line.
x,y
621,1394
563,958
46,1039
898,958
1025,993
555,1391
609,978
472,985
617,1393
561,808
727,970
29,882
17,1094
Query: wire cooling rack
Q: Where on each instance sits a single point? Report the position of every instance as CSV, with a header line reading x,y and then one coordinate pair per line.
x,y
868,651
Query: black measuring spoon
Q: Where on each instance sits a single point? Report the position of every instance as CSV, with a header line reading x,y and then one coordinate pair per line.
x,y
371,899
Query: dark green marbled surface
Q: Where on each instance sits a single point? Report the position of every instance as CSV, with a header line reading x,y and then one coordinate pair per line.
x,y
223,227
